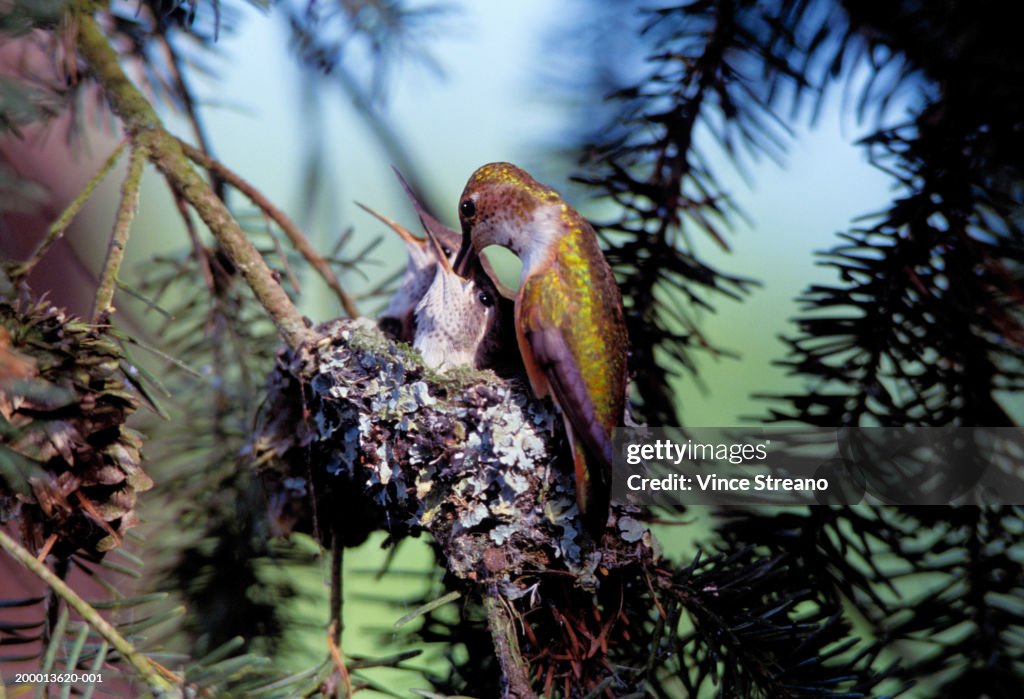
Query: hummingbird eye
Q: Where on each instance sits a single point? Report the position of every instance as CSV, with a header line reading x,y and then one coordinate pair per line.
x,y
467,208
446,250
486,299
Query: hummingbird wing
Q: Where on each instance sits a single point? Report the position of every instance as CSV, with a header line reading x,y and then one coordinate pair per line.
x,y
553,367
565,362
566,353
555,359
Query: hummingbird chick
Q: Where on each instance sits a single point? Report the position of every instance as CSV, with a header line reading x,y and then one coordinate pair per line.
x,y
398,320
451,320
460,320
568,317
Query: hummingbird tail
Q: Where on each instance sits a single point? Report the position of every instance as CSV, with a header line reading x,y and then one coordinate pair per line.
x,y
593,491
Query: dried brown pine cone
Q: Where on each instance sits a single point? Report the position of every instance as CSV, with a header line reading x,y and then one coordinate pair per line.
x,y
69,467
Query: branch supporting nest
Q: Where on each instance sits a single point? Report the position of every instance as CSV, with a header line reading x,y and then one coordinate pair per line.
x,y
514,669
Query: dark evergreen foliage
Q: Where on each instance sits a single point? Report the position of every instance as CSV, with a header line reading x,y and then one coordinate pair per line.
x,y
923,324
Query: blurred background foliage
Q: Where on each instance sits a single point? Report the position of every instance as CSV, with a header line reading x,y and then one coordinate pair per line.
x,y
716,144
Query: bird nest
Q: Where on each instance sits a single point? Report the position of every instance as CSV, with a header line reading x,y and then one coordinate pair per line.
x,y
357,435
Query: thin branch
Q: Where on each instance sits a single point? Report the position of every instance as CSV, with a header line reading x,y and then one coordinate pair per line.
x,y
430,606
189,103
334,650
56,230
146,130
103,302
296,236
198,251
506,644
337,587
336,627
147,670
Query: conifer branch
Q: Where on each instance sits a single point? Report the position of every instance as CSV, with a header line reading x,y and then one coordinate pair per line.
x,y
296,236
146,130
103,302
506,645
57,229
147,670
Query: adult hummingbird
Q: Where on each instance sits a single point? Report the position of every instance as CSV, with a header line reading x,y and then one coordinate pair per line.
x,y
569,320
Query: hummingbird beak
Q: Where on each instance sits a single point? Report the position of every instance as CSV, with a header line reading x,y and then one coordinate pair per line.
x,y
407,237
442,259
466,253
448,238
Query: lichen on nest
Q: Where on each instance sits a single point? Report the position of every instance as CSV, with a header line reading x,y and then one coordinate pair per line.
x,y
357,435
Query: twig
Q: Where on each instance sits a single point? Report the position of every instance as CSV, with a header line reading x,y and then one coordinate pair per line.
x,y
146,130
296,236
293,279
202,259
337,624
337,586
47,545
146,669
339,662
119,238
58,227
503,631
654,595
189,103
428,607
